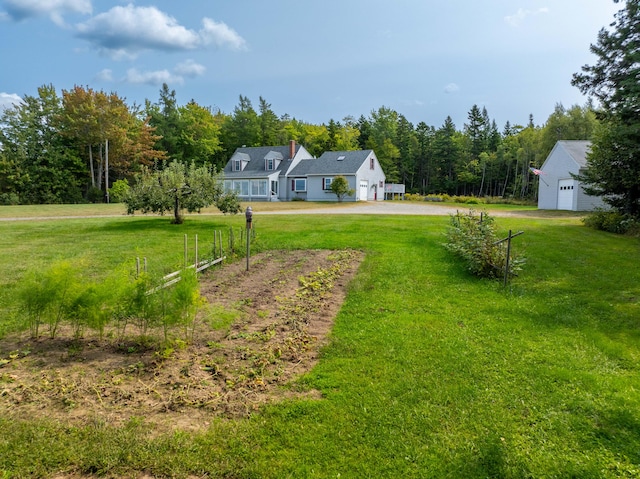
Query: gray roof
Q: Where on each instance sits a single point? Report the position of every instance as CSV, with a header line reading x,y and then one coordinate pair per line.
x,y
332,163
255,157
577,149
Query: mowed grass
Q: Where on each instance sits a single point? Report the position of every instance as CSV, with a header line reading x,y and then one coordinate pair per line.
x,y
429,373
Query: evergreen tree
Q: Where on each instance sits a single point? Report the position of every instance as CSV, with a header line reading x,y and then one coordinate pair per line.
x,y
269,124
614,162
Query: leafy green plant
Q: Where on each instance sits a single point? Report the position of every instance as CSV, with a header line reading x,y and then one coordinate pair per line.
x,y
228,203
185,302
472,238
340,187
47,296
612,221
119,191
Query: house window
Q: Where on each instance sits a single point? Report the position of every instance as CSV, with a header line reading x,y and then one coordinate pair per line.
x,y
241,187
270,164
237,165
299,184
326,183
372,164
259,188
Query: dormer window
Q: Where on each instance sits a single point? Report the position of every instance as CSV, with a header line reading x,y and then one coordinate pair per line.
x,y
237,165
272,160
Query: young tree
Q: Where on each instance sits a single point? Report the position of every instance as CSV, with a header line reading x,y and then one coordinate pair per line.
x,y
175,188
340,186
614,162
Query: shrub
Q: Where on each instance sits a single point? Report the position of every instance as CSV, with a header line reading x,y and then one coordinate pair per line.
x,y
119,191
612,221
95,195
413,197
9,199
473,239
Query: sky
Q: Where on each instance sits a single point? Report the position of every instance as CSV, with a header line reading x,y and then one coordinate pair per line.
x,y
314,61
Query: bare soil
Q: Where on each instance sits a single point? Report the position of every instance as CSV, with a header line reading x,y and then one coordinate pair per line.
x,y
259,331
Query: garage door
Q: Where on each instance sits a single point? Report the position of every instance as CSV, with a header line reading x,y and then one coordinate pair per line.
x,y
565,194
364,190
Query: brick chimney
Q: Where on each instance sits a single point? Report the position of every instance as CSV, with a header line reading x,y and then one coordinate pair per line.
x,y
292,149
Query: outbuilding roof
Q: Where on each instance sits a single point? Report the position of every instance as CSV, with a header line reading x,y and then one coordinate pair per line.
x,y
577,149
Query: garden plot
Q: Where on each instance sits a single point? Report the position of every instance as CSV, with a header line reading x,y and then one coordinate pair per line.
x,y
259,331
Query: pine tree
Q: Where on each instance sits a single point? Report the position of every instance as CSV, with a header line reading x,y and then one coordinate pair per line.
x,y
614,162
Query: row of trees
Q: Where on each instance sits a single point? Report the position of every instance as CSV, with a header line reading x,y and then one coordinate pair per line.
x,y
69,148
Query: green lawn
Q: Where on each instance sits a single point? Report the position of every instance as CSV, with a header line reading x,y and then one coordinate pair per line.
x,y
429,372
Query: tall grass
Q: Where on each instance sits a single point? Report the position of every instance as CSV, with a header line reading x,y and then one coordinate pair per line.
x,y
430,372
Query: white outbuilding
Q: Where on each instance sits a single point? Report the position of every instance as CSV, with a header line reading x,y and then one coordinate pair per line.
x,y
557,189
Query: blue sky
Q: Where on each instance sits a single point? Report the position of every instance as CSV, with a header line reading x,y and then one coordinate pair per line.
x,y
315,61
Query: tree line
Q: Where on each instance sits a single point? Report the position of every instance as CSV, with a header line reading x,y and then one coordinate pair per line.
x,y
71,148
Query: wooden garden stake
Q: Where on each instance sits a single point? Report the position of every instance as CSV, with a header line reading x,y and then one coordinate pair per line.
x,y
249,216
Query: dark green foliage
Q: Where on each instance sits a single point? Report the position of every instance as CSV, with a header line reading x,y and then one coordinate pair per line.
x,y
612,221
473,238
614,162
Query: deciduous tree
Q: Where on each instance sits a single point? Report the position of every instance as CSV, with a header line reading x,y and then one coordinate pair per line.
x,y
175,188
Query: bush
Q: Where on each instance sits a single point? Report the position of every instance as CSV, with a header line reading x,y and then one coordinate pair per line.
x,y
473,239
9,199
611,220
119,191
95,195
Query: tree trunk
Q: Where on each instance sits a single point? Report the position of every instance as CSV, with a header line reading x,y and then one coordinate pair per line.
x,y
177,217
93,174
100,167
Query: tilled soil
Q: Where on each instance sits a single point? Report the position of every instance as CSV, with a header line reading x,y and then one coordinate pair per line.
x,y
259,331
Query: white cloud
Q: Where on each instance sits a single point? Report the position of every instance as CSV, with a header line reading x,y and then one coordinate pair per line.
x,y
157,77
55,9
105,75
221,35
517,18
451,88
8,100
125,31
190,68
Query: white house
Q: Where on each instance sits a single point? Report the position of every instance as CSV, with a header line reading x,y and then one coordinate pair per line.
x,y
557,189
311,179
260,173
284,173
